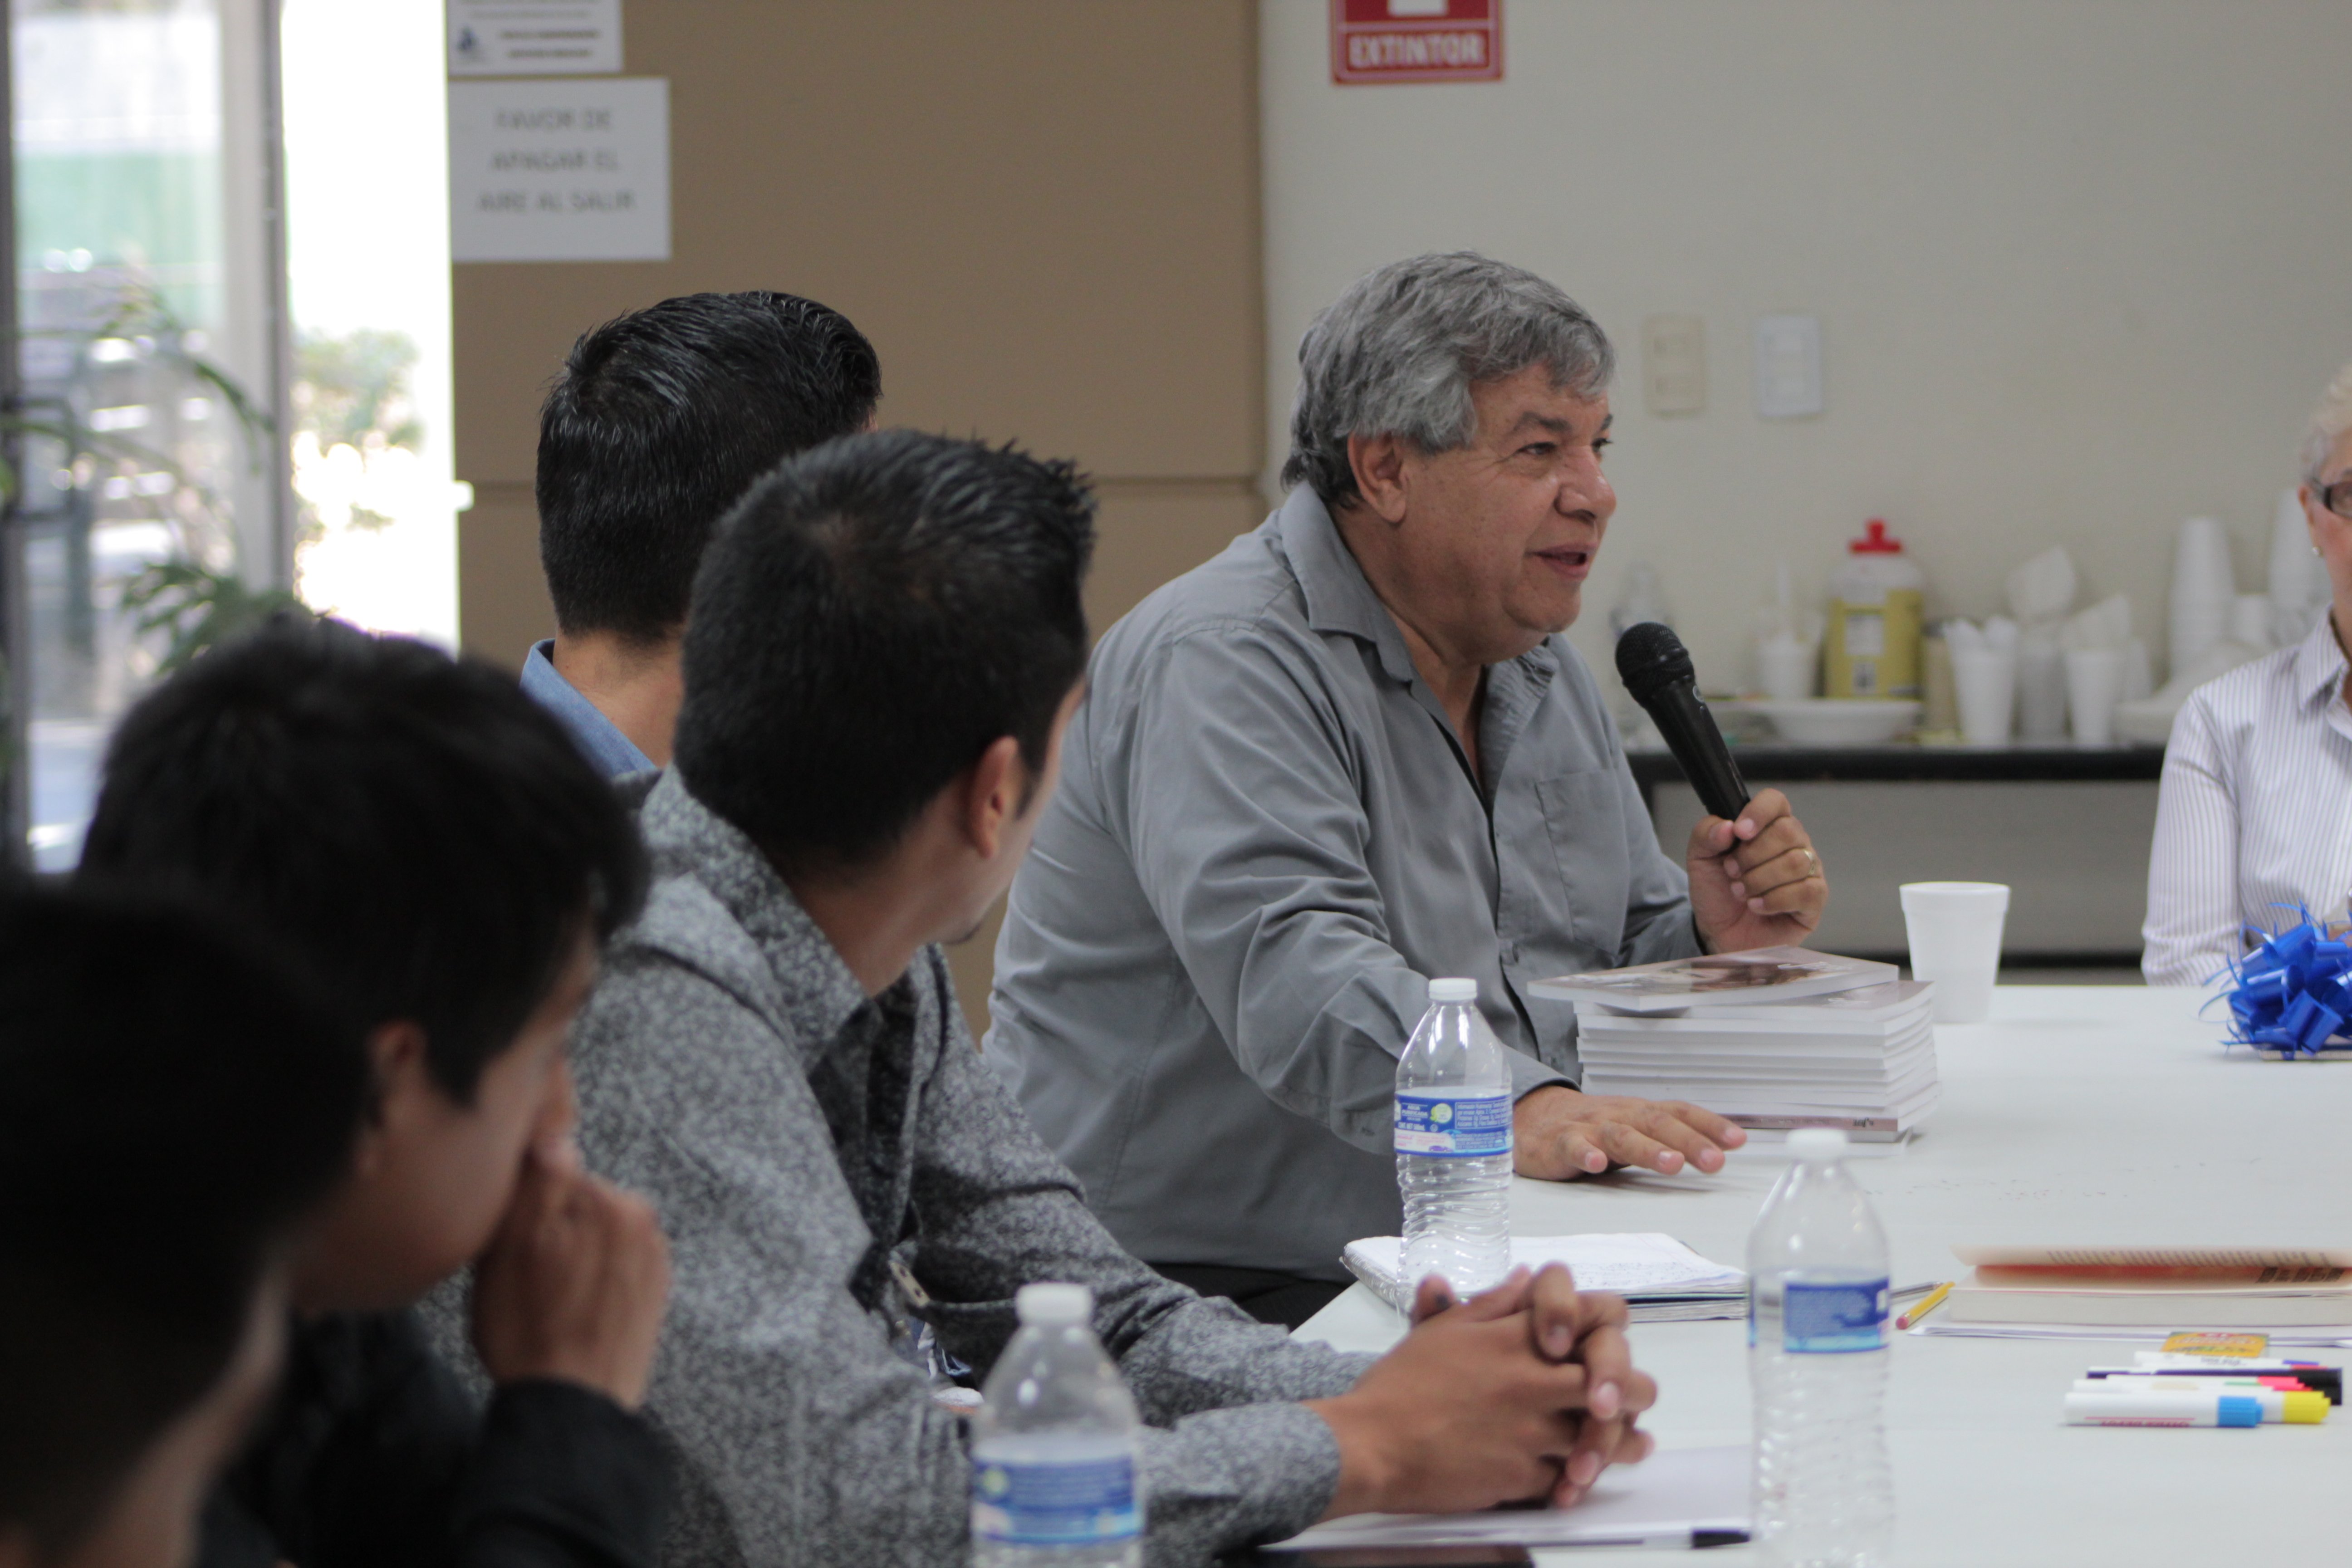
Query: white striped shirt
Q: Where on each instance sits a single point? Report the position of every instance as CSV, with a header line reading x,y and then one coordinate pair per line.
x,y
2255,810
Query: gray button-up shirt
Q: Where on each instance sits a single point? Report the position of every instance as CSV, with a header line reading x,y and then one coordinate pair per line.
x,y
797,1136
1267,840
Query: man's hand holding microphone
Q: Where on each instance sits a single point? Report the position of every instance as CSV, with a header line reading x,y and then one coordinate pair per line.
x,y
1754,881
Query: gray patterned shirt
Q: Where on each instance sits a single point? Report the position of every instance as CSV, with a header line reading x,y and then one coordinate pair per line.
x,y
1267,840
796,1135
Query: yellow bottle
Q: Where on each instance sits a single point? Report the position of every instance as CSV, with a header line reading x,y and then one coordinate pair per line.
x,y
1871,648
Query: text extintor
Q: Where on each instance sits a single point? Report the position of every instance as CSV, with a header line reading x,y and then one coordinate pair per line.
x,y
1375,41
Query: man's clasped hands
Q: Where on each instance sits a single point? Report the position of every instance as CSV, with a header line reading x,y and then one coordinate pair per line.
x,y
1523,1393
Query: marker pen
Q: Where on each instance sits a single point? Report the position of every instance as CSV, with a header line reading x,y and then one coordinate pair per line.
x,y
2326,1380
2209,1380
2297,1407
2137,1409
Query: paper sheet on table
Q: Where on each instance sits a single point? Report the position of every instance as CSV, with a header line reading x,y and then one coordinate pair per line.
x,y
1629,1264
1658,1502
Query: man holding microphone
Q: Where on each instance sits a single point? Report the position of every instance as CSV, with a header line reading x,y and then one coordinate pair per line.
x,y
1352,752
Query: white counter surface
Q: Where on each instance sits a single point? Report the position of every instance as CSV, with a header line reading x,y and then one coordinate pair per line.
x,y
2084,1114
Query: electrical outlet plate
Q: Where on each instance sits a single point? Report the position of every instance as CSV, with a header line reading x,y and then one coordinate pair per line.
x,y
1787,367
1674,363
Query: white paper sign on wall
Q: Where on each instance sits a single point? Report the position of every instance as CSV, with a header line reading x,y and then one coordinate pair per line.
x,y
534,37
560,170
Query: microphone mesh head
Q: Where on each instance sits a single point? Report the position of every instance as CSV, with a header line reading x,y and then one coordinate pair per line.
x,y
1650,658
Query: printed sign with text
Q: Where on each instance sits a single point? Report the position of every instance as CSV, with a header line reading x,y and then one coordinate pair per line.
x,y
560,170
534,37
1416,41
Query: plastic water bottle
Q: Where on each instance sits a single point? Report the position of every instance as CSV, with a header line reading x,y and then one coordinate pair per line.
x,y
1817,1359
1053,1462
1453,1145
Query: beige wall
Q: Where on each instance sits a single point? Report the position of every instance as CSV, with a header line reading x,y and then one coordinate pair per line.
x,y
1044,213
2081,265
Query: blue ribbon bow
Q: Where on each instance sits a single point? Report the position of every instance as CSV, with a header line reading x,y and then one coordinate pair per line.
x,y
2294,993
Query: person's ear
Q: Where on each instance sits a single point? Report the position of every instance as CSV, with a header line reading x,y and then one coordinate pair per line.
x,y
992,795
1378,465
2315,515
401,1090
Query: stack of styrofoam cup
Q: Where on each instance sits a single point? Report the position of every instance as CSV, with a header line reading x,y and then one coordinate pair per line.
x,y
2204,590
2040,684
2095,685
1954,931
2041,592
1984,678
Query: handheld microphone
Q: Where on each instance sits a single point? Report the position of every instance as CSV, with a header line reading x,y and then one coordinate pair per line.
x,y
1658,672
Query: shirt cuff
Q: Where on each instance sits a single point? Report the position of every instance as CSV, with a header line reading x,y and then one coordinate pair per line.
x,y
1527,1075
564,1474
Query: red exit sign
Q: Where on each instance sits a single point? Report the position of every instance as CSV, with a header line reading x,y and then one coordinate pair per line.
x,y
1416,41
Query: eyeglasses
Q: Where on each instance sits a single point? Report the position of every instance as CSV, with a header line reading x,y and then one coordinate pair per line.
x,y
2337,497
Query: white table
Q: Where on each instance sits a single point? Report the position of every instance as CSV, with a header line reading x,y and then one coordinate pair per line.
x,y
2081,1114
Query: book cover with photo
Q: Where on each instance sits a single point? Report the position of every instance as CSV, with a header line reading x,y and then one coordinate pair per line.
x,y
1762,974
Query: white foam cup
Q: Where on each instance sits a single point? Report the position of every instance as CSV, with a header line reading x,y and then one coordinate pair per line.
x,y
2041,690
1984,683
1784,667
1955,930
2095,684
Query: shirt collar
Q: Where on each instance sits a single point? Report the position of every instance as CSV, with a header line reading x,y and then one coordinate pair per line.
x,y
1339,598
614,753
2319,664
820,995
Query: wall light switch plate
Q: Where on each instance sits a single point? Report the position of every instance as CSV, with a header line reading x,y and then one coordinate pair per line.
x,y
1674,363
1787,366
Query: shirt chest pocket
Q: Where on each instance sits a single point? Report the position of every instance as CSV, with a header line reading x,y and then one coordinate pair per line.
x,y
1584,817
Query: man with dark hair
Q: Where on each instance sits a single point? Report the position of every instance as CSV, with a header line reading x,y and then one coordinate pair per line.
x,y
170,1102
886,646
432,847
660,420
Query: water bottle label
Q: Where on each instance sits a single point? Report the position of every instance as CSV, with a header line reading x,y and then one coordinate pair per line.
x,y
1055,1505
1454,1128
1832,1318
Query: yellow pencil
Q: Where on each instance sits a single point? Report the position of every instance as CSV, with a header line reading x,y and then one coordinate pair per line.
x,y
1935,1298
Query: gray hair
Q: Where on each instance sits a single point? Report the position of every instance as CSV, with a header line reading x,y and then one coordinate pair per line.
x,y
2328,423
1398,353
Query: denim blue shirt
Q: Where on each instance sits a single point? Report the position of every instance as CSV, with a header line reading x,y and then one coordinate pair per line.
x,y
614,754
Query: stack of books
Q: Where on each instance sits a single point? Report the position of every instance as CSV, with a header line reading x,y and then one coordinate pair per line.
x,y
1772,1039
2172,1288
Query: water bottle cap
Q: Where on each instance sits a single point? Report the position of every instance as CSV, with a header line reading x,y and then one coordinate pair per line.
x,y
1817,1142
1053,1306
1453,990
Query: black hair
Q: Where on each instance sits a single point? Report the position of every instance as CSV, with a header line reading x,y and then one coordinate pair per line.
x,y
660,421
171,1100
874,616
421,835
